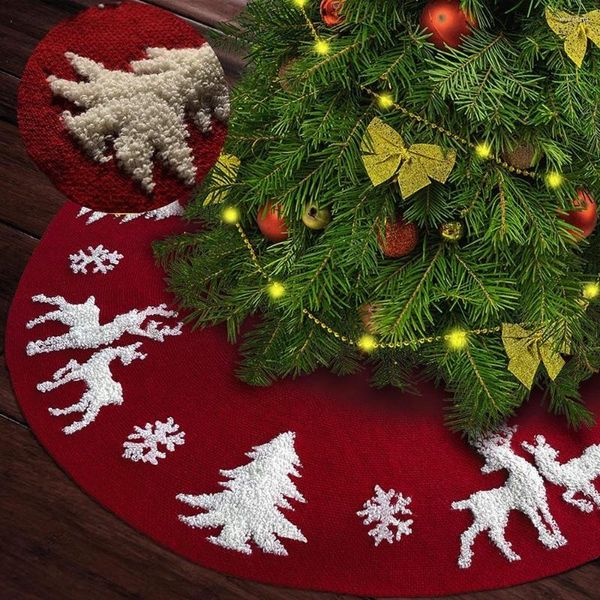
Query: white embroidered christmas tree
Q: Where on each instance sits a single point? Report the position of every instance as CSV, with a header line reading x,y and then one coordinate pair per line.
x,y
383,509
249,507
144,443
102,260
175,209
144,111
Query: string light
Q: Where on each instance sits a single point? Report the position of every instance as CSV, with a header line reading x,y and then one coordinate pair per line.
x,y
591,291
457,339
299,3
321,47
230,215
367,343
483,150
554,179
385,100
276,290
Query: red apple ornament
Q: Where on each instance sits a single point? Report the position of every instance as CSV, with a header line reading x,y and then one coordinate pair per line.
x,y
400,238
584,215
271,223
446,22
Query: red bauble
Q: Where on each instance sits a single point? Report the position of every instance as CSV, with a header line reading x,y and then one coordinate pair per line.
x,y
446,21
271,223
330,12
584,215
400,238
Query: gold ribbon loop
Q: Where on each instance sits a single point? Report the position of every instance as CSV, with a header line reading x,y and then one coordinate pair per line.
x,y
576,30
527,350
385,155
225,173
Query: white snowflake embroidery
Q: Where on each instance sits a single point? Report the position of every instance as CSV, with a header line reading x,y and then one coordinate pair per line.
x,y
164,434
103,260
101,389
524,491
576,475
248,509
382,509
143,110
85,330
175,209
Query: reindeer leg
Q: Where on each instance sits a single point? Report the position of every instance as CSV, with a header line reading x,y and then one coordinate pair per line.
x,y
54,315
77,407
496,534
550,539
47,386
558,537
50,344
592,492
55,300
466,544
90,412
583,505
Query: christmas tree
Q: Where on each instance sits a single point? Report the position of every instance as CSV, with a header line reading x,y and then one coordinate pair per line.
x,y
248,509
411,185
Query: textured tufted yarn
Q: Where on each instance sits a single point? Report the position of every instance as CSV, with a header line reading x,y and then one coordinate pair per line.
x,y
318,482
124,108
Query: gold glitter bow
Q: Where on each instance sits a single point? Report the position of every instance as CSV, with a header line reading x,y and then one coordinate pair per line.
x,y
575,30
385,155
225,173
526,350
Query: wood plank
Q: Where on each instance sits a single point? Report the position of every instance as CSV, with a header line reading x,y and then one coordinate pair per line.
x,y
23,27
8,97
15,248
29,200
209,13
58,543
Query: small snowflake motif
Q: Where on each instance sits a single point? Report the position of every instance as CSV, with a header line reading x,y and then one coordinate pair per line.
x,y
166,434
381,509
102,259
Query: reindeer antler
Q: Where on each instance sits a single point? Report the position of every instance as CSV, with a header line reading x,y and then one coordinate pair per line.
x,y
155,332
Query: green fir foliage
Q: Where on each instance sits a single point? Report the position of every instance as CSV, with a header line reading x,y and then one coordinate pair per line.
x,y
297,131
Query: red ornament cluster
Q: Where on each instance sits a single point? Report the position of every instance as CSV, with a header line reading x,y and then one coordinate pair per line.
x,y
330,12
447,22
584,215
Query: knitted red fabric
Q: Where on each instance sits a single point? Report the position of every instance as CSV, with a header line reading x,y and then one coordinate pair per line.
x,y
348,438
114,36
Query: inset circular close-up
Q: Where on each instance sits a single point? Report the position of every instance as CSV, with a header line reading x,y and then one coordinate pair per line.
x,y
124,107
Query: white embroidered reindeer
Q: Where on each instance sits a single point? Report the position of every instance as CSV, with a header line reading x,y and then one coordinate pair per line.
x,y
102,390
524,490
85,330
577,474
143,111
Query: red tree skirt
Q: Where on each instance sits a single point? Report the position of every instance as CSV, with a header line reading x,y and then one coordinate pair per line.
x,y
275,520
115,37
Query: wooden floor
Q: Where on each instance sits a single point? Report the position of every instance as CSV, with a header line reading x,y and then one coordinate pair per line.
x,y
55,542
